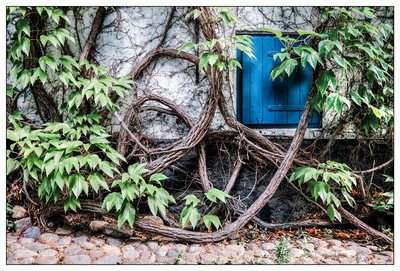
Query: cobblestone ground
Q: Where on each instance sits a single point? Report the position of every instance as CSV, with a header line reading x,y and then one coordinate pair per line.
x,y
81,248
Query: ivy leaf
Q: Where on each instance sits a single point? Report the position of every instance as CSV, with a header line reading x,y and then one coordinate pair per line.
x,y
191,200
212,219
326,78
309,33
96,180
23,26
10,165
128,214
215,193
71,203
189,214
26,45
378,113
333,213
204,60
157,177
112,200
10,90
79,184
194,13
234,63
213,59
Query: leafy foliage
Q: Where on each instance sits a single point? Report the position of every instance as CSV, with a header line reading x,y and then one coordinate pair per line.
x,y
324,182
354,44
133,187
190,213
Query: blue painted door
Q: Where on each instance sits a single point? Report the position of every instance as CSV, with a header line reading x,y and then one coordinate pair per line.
x,y
263,102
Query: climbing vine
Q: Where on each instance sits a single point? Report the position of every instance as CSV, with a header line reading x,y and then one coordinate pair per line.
x,y
69,156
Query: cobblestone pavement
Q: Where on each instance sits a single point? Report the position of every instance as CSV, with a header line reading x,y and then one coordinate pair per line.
x,y
82,248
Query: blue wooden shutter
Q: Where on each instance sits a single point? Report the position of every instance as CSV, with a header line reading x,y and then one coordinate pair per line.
x,y
266,103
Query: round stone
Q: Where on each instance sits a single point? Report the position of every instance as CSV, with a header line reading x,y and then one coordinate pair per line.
x,y
96,253
114,241
111,250
63,241
24,253
48,238
172,253
268,246
73,250
26,241
208,258
22,224
97,226
152,245
48,252
37,246
19,212
162,251
129,252
88,246
32,232
97,241
80,239
64,231
77,259
251,246
333,242
348,253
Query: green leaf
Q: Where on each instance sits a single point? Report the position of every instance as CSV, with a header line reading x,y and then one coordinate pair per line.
x,y
23,26
389,179
137,169
355,97
191,200
26,45
189,214
157,177
71,203
212,219
78,184
309,33
269,30
326,78
213,59
378,113
112,200
350,200
215,193
60,180
194,13
96,180
12,135
339,60
128,214
152,202
227,17
204,61
333,213
321,190
234,63
24,78
10,165
107,168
